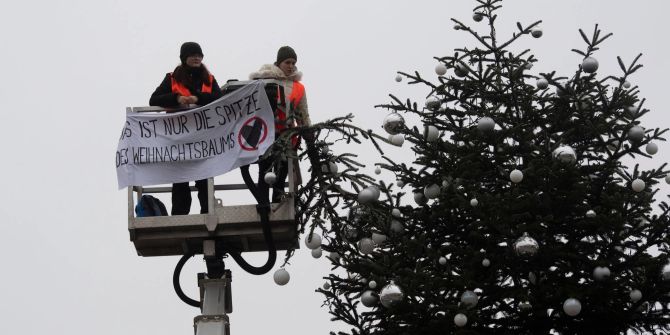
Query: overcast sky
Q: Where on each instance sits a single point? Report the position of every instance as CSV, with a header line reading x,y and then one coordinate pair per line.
x,y
71,68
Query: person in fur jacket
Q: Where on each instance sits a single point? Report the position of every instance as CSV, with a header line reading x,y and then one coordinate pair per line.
x,y
295,113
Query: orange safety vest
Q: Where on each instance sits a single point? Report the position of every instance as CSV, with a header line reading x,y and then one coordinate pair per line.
x,y
182,90
293,101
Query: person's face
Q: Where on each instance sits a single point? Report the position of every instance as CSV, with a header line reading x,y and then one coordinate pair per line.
x,y
288,66
194,60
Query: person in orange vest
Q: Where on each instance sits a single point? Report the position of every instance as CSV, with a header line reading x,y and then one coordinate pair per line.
x,y
294,113
189,84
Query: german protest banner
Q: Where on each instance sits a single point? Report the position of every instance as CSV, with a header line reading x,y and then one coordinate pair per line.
x,y
162,148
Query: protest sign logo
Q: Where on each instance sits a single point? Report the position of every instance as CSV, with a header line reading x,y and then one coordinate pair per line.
x,y
252,134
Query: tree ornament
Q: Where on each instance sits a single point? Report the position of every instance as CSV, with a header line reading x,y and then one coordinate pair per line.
x,y
313,241
281,277
532,278
378,170
665,272
626,84
652,148
270,178
366,245
398,78
457,26
590,65
393,123
516,176
632,110
397,227
485,124
461,70
441,69
432,103
334,256
536,32
474,202
400,183
469,299
590,214
635,295
369,299
397,139
667,179
601,273
378,238
442,261
396,213
430,133
572,307
326,286
565,154
542,83
329,167
636,134
477,17
390,295
372,284
486,262
460,320
525,306
526,246
366,195
431,191
638,185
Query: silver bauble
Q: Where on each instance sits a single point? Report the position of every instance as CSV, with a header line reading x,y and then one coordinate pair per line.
x,y
378,238
665,272
477,17
396,213
461,70
398,78
366,245
626,84
469,299
590,214
397,139
542,83
652,148
366,195
486,124
667,179
378,170
420,199
460,320
431,191
281,277
329,167
638,185
334,256
632,110
474,202
486,262
536,32
430,133
432,103
442,261
635,295
572,306
601,273
440,69
313,241
400,183
525,306
397,227
369,298
326,286
636,134
516,176
565,154
270,178
526,246
393,123
590,65
391,295
372,284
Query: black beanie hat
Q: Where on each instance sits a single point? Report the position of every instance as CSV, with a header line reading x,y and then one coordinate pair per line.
x,y
189,49
285,53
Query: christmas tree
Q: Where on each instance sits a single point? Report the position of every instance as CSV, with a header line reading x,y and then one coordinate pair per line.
x,y
524,215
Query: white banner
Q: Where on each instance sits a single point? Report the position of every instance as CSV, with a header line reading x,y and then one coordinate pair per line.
x,y
196,144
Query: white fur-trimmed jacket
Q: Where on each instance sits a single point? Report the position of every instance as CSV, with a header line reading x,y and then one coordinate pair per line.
x,y
271,71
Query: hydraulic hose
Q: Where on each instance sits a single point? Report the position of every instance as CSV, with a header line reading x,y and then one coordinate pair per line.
x,y
177,286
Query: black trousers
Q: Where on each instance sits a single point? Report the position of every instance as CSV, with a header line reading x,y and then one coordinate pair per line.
x,y
280,169
181,197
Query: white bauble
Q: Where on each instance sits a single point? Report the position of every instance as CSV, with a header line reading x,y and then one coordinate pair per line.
x,y
366,195
391,295
378,238
334,256
376,192
626,84
652,148
477,17
638,185
461,70
460,320
313,241
486,124
366,245
590,65
432,103
326,286
526,246
270,178
572,306
431,191
400,183
542,83
398,78
474,202
667,179
396,227
420,199
378,170
372,284
442,261
397,139
590,214
469,299
516,176
441,69
369,298
281,277
396,213
525,306
393,123
486,262
316,253
329,167
632,110
601,273
565,154
536,32
636,134
430,133
635,295
665,272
